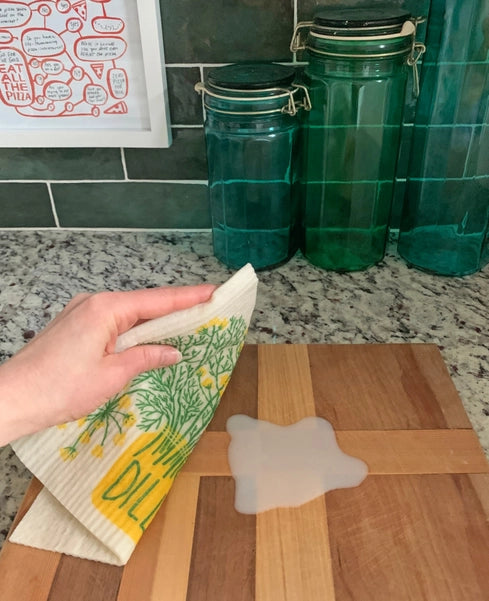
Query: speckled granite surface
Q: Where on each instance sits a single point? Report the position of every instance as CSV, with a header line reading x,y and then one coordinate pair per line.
x,y
297,302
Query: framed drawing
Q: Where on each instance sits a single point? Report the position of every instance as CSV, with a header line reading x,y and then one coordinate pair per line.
x,y
82,73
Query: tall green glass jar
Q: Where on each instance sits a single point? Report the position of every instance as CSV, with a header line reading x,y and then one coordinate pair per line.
x,y
251,132
445,223
358,62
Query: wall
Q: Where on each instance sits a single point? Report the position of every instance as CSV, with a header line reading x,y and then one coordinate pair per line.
x,y
163,188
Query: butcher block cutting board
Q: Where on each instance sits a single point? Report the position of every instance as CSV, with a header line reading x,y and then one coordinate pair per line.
x,y
416,529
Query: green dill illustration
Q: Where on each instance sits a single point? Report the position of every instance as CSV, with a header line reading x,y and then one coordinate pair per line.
x,y
181,400
177,402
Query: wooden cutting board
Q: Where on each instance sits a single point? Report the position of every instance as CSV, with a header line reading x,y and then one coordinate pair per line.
x,y
416,529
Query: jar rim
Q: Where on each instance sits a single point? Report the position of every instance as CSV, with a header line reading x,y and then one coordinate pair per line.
x,y
360,18
251,76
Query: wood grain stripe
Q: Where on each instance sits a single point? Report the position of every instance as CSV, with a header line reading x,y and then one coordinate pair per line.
x,y
377,386
422,538
241,395
480,482
84,580
26,574
223,557
293,561
159,567
284,384
385,452
172,566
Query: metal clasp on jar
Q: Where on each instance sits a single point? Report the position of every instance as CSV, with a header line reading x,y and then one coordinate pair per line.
x,y
417,51
290,108
297,43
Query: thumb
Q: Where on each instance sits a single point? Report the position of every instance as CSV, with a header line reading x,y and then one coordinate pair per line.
x,y
137,359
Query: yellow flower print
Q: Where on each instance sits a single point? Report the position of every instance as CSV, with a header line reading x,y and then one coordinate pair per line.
x,y
98,451
129,420
81,421
124,402
99,423
207,383
223,380
68,453
119,438
221,324
61,426
85,437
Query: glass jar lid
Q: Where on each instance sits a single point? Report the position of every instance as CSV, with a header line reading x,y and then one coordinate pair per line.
x,y
251,76
339,19
253,89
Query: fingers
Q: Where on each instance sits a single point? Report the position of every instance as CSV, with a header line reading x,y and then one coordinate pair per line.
x,y
141,305
130,363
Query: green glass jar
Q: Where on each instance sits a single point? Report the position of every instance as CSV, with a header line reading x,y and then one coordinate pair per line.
x,y
251,132
445,223
358,62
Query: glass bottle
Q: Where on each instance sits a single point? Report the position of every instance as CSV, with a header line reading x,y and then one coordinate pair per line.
x,y
356,76
251,132
444,227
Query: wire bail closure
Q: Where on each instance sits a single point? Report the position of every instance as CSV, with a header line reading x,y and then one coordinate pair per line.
x,y
417,51
296,43
291,108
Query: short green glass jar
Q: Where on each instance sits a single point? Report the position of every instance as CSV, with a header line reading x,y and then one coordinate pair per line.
x,y
251,132
358,62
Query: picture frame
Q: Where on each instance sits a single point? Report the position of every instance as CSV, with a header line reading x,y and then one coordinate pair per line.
x,y
82,73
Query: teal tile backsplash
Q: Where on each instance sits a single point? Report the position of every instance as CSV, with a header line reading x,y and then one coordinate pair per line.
x,y
166,188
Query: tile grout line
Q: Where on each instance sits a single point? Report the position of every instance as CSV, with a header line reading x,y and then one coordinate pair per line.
x,y
105,229
53,204
124,166
106,181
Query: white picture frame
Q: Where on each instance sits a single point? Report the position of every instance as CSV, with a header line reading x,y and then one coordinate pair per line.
x,y
133,84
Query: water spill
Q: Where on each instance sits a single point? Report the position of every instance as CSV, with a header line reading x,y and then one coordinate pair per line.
x,y
286,466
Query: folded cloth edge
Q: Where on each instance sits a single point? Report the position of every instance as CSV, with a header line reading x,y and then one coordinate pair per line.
x,y
152,330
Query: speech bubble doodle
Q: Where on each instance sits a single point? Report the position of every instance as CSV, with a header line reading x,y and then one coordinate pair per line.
x,y
5,37
52,66
74,25
77,73
63,6
117,83
16,87
14,14
95,94
57,90
44,10
107,24
101,49
42,42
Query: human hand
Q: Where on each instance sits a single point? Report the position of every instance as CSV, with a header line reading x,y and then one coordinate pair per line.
x,y
70,368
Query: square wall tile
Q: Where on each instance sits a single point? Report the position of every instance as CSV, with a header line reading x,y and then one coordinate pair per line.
x,y
185,159
185,103
439,152
60,163
25,205
223,31
453,93
478,161
307,8
132,205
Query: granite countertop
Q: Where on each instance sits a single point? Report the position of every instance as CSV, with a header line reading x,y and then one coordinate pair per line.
x,y
297,303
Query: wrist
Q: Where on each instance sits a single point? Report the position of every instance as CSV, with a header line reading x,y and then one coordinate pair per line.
x,y
15,419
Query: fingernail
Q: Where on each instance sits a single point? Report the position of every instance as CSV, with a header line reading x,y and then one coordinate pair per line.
x,y
173,355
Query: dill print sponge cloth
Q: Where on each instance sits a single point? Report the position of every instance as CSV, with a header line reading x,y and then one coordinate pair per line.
x,y
106,475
